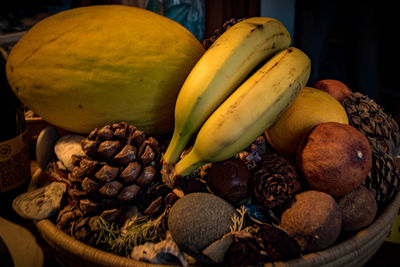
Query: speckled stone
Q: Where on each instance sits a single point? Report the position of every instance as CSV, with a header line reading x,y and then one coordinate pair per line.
x,y
45,146
67,146
197,220
40,203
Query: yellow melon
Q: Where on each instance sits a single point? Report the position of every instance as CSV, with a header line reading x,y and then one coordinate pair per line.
x,y
311,107
89,66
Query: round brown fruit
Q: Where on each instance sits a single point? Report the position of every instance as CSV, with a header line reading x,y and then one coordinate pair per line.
x,y
335,88
334,158
230,179
358,208
314,220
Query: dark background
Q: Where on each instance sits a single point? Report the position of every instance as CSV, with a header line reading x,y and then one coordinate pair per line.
x,y
352,41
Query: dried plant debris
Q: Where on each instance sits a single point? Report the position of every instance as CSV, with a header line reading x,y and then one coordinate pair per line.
x,y
163,252
136,231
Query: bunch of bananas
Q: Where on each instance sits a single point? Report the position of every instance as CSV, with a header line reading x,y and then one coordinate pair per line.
x,y
230,110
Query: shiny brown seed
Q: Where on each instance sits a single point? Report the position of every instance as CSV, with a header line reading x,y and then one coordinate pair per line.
x,y
147,156
109,148
105,133
147,175
138,137
131,172
89,146
107,173
129,193
126,155
110,189
88,166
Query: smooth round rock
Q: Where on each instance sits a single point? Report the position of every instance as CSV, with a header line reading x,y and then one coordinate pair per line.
x,y
230,179
67,146
45,146
197,220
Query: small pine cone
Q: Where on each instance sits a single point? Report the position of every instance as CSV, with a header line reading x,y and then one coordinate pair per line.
x,y
384,178
218,32
276,181
380,128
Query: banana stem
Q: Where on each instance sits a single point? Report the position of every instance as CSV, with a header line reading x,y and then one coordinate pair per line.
x,y
188,164
175,148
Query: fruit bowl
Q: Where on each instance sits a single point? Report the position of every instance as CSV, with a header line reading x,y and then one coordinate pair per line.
x,y
356,250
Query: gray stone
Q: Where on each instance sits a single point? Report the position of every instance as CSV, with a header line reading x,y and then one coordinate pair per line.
x,y
217,250
40,203
45,146
67,146
197,220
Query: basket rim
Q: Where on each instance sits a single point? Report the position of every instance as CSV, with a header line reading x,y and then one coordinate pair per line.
x,y
60,240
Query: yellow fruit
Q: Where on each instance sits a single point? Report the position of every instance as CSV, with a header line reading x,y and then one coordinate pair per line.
x,y
311,107
90,66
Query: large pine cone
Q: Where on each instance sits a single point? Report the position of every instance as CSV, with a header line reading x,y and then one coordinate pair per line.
x,y
384,178
383,134
380,128
121,164
276,181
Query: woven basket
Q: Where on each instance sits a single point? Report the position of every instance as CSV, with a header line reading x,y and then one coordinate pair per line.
x,y
355,251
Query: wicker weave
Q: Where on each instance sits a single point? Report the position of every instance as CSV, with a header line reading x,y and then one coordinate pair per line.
x,y
355,251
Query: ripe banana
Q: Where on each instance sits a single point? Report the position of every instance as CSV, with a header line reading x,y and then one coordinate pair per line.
x,y
251,109
221,70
